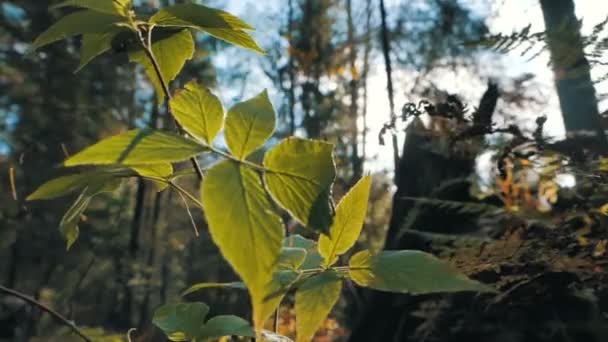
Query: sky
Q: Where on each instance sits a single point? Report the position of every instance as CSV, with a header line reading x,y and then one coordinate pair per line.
x,y
511,16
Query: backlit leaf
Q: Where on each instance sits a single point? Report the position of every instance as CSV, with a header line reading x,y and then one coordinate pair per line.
x,y
249,124
163,171
217,23
300,178
171,51
77,23
65,185
412,272
243,225
198,111
348,221
137,147
95,44
314,300
115,7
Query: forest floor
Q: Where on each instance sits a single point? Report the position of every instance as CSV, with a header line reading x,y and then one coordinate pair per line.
x,y
552,282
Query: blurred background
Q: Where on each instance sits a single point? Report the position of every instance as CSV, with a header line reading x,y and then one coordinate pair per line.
x,y
337,70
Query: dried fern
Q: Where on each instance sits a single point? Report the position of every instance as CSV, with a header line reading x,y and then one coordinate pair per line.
x,y
458,207
532,44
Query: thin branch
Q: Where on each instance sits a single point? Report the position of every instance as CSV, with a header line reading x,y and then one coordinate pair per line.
x,y
189,213
43,307
147,46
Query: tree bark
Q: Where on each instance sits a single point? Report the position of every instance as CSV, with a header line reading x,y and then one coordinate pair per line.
x,y
421,173
291,72
356,164
386,52
571,68
365,75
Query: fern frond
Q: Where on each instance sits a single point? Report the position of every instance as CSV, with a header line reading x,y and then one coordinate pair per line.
x,y
472,208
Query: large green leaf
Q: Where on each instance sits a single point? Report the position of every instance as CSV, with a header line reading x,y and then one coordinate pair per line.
x,y
115,7
181,322
95,44
249,124
412,272
217,23
300,176
227,325
171,51
313,258
314,300
77,23
137,147
198,111
348,222
243,225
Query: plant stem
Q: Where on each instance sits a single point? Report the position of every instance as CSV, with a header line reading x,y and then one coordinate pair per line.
x,y
43,307
147,46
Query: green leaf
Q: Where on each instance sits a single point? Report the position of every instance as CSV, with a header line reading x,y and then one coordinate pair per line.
x,y
137,147
69,222
77,23
163,171
65,185
243,225
171,51
202,286
95,44
115,7
412,272
226,325
314,300
291,258
282,282
313,258
249,125
348,222
300,178
181,322
217,23
198,111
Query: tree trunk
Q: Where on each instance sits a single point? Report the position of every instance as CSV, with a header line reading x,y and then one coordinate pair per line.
x,y
386,52
356,164
291,72
422,172
575,89
365,75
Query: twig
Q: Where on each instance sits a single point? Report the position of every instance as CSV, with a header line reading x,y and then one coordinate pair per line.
x,y
189,213
11,176
43,307
147,46
77,286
